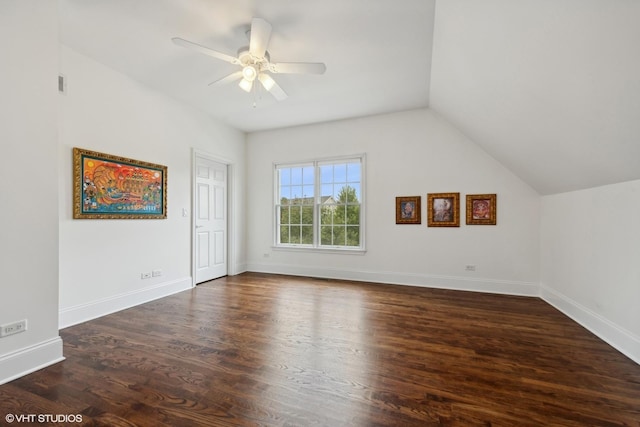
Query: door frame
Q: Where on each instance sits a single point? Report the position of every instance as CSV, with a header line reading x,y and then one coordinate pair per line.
x,y
195,153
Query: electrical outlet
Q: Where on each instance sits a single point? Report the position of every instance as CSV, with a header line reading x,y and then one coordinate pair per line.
x,y
470,268
156,273
146,275
13,328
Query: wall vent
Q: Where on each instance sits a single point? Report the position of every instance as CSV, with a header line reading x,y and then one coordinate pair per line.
x,y
62,84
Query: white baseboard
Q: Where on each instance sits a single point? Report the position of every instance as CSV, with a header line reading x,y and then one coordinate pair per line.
x,y
411,279
81,313
619,338
238,269
30,359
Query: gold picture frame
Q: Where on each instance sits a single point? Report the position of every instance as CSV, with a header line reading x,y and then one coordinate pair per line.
x,y
481,209
408,210
443,209
112,187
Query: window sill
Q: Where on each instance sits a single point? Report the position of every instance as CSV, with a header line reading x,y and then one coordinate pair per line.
x,y
301,248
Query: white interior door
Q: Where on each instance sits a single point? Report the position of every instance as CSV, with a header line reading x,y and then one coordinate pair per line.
x,y
210,236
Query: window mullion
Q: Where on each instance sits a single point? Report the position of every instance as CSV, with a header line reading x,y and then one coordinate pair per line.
x,y
316,206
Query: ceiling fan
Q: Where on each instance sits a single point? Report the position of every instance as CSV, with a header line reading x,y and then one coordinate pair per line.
x,y
255,61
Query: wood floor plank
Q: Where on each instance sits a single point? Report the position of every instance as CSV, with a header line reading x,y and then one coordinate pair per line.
x,y
271,350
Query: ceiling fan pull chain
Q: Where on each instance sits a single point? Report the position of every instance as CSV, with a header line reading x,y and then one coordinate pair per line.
x,y
255,95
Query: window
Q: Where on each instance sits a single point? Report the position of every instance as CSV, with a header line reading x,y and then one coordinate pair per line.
x,y
319,204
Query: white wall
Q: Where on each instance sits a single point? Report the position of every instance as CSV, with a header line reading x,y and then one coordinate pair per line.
x,y
590,263
410,153
541,85
28,186
101,260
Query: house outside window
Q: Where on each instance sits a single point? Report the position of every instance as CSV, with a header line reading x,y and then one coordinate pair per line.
x,y
320,204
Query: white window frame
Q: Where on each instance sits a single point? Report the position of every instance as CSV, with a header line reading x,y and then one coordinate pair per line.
x,y
316,247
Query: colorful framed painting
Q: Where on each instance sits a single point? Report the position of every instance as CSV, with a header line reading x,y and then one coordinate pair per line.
x,y
443,209
408,210
481,209
112,187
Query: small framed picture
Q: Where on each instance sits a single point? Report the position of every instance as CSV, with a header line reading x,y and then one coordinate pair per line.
x,y
443,210
408,210
481,209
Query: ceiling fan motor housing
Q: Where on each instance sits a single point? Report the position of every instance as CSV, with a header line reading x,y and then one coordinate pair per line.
x,y
245,58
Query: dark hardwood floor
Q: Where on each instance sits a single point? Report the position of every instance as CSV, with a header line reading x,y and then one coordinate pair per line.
x,y
272,350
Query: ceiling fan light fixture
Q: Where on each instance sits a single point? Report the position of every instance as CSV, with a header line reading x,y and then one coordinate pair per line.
x,y
266,81
249,72
246,85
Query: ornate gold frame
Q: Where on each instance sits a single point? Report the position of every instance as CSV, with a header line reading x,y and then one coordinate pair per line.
x,y
488,204
446,213
127,188
416,217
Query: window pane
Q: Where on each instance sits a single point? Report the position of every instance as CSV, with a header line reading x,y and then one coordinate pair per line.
x,y
307,215
326,191
326,235
336,192
294,192
284,215
346,194
295,215
307,235
339,215
308,177
353,214
339,236
285,195
325,215
353,236
284,234
285,176
307,194
326,173
296,176
353,172
340,173
295,234
356,192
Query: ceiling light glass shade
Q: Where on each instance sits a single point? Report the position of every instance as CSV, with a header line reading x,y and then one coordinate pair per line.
x,y
266,81
249,73
246,85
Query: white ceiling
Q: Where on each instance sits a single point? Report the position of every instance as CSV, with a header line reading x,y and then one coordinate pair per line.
x,y
551,88
378,55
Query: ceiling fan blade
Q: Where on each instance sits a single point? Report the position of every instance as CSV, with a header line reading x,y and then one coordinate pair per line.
x,y
260,35
205,50
270,85
227,79
298,68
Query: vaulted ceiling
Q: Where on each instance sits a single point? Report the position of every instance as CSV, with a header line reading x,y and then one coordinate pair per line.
x,y
550,88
